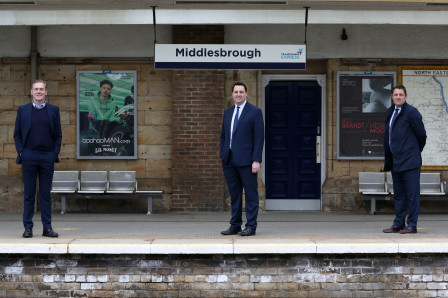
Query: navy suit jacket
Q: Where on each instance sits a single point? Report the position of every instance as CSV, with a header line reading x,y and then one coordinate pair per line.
x,y
407,141
248,139
23,127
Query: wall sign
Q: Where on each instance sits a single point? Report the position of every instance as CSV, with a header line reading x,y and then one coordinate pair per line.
x,y
107,112
230,56
363,98
427,88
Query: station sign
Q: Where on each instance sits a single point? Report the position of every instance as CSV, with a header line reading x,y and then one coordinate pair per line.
x,y
229,56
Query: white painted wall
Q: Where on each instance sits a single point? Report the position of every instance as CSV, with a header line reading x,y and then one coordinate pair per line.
x,y
364,41
15,41
84,41
100,40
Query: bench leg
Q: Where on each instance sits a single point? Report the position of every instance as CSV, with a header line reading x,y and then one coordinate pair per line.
x,y
149,204
372,206
63,205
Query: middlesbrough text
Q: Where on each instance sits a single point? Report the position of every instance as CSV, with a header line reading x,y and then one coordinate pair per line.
x,y
204,52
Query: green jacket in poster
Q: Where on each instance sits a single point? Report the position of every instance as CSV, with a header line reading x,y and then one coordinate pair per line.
x,y
103,110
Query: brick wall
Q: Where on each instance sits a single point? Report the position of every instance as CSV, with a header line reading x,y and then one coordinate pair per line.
x,y
198,105
389,275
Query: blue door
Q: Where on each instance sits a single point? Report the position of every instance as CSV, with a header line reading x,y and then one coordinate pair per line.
x,y
292,149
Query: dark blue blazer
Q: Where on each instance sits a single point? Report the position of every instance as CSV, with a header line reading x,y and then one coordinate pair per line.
x,y
408,140
23,127
248,139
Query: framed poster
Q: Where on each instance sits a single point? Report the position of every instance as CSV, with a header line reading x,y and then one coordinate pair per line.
x,y
106,119
363,98
427,89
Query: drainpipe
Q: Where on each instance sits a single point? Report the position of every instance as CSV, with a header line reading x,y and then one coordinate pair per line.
x,y
33,54
33,75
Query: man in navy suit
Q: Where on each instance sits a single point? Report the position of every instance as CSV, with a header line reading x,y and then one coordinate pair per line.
x,y
404,140
38,138
242,138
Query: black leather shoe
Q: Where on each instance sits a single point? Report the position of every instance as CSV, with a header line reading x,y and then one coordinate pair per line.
x,y
408,230
247,232
28,233
392,229
50,233
231,231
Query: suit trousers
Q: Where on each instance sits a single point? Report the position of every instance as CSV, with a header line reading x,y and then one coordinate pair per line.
x,y
237,178
37,164
406,197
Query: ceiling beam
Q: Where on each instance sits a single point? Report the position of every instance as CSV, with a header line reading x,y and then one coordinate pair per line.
x,y
200,16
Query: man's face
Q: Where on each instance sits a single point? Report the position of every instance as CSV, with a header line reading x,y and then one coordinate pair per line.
x,y
105,90
239,94
399,97
38,91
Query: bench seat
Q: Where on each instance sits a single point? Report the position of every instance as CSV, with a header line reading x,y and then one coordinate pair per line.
x,y
431,188
97,185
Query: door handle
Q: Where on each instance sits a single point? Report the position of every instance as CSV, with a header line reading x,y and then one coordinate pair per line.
x,y
318,149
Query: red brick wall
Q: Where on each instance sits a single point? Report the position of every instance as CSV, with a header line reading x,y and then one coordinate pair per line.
x,y
198,105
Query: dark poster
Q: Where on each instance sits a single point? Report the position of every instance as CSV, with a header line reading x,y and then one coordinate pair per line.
x,y
107,115
363,98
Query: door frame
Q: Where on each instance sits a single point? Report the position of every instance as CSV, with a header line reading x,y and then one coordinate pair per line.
x,y
296,205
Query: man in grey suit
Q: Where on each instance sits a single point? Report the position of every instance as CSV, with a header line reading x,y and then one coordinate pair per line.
x,y
242,138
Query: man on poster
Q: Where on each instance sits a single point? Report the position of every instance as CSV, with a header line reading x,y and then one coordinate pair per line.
x,y
102,108
404,140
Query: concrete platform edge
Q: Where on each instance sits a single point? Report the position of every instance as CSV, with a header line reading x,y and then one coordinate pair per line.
x,y
293,245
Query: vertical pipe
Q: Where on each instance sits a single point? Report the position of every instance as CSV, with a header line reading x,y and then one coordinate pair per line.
x,y
306,22
33,54
155,31
33,77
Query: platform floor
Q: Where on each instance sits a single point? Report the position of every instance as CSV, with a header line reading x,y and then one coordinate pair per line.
x,y
199,233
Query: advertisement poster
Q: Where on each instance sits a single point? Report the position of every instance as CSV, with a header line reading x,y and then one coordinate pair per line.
x,y
363,98
106,122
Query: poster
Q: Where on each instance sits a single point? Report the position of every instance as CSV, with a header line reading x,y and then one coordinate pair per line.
x,y
363,98
427,89
106,119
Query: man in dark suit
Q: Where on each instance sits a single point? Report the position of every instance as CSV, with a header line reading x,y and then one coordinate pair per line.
x,y
404,140
242,138
38,138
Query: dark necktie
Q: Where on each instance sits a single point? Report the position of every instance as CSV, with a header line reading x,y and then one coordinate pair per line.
x,y
235,122
392,123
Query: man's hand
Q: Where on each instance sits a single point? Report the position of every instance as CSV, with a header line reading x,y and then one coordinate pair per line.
x,y
255,167
123,116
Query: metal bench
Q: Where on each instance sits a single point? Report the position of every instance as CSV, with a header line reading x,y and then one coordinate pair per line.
x,y
65,182
431,188
93,182
97,185
430,185
372,186
121,182
124,182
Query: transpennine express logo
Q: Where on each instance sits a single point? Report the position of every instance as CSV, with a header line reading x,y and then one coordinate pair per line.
x,y
290,56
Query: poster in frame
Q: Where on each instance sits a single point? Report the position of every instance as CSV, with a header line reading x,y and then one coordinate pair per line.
x,y
362,100
106,114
